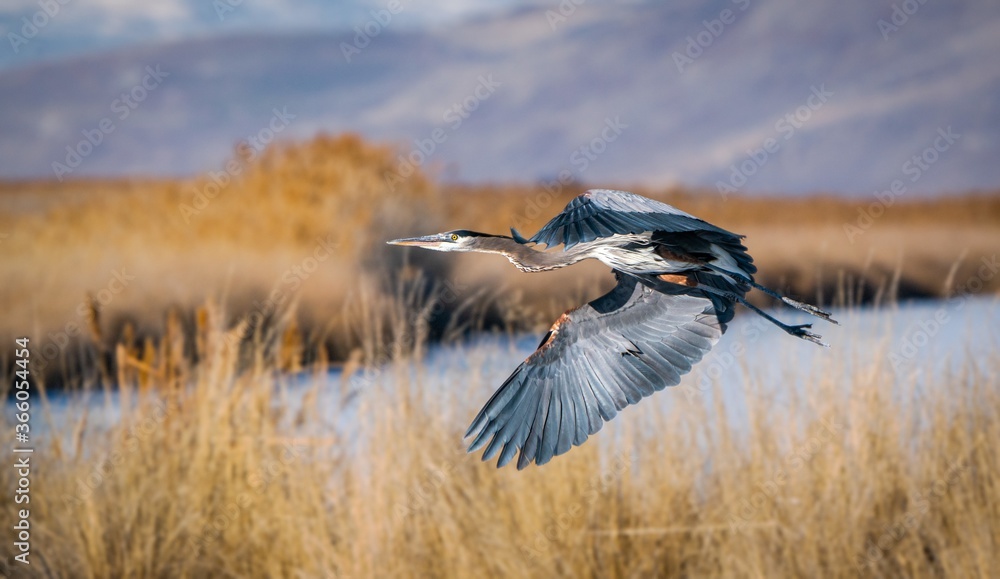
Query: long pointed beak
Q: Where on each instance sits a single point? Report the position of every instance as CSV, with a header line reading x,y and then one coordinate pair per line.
x,y
429,241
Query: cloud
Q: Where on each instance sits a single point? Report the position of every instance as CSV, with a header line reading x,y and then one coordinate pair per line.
x,y
89,26
558,89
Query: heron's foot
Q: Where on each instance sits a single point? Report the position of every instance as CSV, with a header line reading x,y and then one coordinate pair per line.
x,y
802,331
810,309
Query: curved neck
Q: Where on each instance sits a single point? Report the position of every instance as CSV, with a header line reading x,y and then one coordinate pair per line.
x,y
527,259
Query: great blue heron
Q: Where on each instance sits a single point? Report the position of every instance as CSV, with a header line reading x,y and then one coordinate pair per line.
x,y
679,278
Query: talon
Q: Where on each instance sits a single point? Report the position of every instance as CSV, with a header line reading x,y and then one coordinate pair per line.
x,y
801,332
814,311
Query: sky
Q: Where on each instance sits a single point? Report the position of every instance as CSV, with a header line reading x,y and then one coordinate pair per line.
x,y
79,27
736,96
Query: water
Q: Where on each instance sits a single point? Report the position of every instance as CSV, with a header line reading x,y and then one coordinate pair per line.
x,y
922,342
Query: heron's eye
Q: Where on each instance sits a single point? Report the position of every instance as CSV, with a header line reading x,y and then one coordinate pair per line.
x,y
454,237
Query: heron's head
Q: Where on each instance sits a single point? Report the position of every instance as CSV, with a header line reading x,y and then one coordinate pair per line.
x,y
458,240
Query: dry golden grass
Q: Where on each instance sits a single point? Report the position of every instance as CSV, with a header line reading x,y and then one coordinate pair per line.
x,y
304,221
211,472
297,223
222,463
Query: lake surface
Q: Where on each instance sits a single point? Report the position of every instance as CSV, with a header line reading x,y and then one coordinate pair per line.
x,y
920,342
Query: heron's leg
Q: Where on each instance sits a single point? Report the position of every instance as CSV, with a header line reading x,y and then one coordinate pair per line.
x,y
808,308
800,331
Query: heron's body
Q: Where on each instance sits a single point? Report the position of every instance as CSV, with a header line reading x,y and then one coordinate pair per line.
x,y
679,279
627,253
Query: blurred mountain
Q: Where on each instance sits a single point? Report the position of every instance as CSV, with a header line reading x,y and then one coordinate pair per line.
x,y
687,93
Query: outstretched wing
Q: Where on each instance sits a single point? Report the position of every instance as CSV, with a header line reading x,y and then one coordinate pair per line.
x,y
603,212
595,360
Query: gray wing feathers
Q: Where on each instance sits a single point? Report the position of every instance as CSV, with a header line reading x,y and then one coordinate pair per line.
x,y
602,213
601,358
